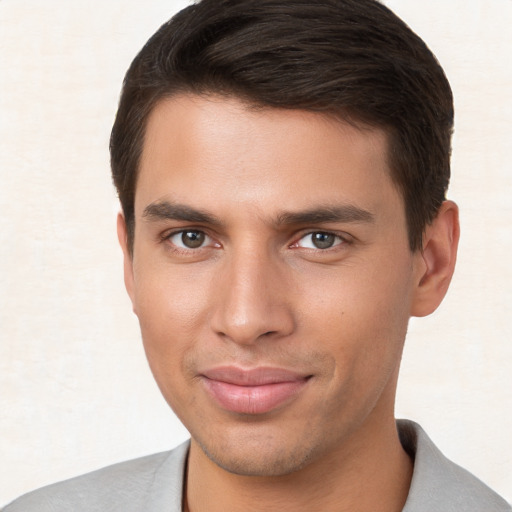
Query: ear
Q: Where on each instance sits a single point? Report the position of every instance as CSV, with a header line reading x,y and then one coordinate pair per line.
x,y
436,261
122,235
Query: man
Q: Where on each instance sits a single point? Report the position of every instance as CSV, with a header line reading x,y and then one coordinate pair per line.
x,y
282,168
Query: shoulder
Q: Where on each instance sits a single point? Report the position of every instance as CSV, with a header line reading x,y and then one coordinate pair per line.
x,y
439,484
128,486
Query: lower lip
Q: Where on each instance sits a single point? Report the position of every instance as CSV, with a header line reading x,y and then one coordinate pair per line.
x,y
253,399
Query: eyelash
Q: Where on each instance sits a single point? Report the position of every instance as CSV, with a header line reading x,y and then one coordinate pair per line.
x,y
167,237
340,240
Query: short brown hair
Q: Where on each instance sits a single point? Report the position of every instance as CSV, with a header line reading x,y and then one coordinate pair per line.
x,y
354,59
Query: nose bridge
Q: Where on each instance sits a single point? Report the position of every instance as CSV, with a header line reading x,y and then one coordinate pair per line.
x,y
251,302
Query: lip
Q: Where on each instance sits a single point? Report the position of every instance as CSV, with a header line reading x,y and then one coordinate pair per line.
x,y
252,391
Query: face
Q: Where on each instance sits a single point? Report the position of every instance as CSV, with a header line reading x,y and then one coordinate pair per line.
x,y
272,278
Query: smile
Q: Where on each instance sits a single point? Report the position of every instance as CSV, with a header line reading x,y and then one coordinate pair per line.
x,y
255,391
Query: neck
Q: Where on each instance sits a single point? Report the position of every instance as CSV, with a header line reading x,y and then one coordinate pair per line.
x,y
370,472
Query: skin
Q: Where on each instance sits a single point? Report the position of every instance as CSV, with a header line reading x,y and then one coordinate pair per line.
x,y
257,292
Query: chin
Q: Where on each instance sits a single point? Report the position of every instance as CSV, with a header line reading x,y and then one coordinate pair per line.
x,y
258,458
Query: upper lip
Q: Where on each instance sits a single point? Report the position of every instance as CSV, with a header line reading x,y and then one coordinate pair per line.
x,y
258,376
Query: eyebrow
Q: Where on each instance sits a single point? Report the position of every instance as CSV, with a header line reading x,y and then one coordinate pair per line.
x,y
342,213
166,210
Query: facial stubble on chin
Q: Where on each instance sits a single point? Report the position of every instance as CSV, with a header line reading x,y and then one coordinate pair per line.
x,y
280,463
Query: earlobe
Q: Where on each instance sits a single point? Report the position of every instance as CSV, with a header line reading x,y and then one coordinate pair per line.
x,y
122,235
437,260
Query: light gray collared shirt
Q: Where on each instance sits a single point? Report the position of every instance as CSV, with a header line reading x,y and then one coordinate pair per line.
x,y
155,484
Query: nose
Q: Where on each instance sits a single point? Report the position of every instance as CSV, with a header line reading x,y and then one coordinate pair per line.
x,y
252,299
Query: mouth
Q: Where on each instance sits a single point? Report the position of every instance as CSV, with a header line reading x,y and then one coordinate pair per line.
x,y
253,391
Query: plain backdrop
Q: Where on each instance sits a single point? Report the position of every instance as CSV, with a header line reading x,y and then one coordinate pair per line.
x,y
75,390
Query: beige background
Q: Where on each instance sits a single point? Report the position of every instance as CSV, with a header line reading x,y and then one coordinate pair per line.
x,y
75,390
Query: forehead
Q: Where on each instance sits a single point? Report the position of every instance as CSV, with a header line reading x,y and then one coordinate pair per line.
x,y
217,149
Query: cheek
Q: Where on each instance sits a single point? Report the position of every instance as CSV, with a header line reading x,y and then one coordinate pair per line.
x,y
172,312
169,299
361,323
359,313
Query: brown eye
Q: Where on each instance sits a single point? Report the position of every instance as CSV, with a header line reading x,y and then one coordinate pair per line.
x,y
192,239
189,239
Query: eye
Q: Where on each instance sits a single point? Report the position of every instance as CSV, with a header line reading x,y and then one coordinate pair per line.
x,y
320,240
189,239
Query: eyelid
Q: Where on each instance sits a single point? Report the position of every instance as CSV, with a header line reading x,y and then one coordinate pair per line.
x,y
168,235
343,239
